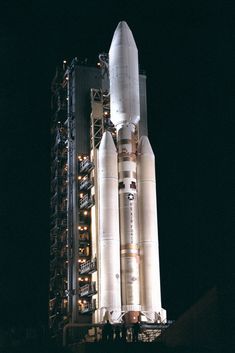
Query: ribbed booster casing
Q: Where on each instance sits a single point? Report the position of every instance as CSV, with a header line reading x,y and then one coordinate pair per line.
x,y
109,241
128,213
148,231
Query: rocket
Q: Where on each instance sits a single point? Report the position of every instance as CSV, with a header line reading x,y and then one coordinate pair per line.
x,y
128,236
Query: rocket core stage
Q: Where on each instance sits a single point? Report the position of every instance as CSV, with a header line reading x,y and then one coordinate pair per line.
x,y
128,236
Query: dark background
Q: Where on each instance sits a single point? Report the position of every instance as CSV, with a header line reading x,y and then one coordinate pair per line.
x,y
185,48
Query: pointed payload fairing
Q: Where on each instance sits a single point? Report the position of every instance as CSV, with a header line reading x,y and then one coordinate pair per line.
x,y
124,77
128,235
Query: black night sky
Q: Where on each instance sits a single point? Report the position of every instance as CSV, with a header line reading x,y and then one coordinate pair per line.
x,y
185,49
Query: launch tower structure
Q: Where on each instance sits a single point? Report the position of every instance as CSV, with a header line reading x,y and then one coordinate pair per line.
x,y
86,248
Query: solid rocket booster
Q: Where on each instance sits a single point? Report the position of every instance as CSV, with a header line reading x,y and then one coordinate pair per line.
x,y
149,265
125,114
110,291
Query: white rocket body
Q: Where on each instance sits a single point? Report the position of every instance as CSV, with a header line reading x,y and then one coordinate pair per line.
x,y
125,114
134,216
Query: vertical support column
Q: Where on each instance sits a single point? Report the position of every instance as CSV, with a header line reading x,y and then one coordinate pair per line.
x,y
72,236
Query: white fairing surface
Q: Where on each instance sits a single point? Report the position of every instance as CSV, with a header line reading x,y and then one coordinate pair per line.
x,y
124,77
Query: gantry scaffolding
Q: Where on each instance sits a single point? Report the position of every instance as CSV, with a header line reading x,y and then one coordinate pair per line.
x,y
73,261
58,228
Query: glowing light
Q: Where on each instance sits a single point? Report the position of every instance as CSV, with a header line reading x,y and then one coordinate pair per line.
x,y
64,62
85,213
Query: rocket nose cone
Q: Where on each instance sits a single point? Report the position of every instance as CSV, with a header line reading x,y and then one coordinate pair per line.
x,y
122,26
123,35
107,142
144,146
